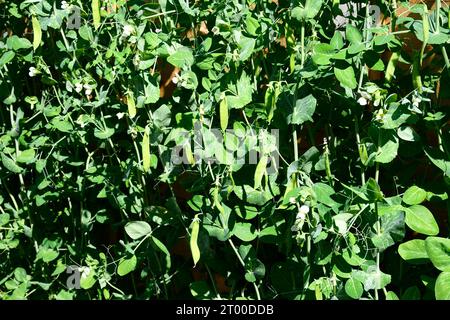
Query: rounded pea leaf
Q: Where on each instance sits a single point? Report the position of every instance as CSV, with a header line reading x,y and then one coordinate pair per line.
x,y
421,220
414,195
126,266
137,229
346,77
438,250
442,286
10,164
245,231
26,156
353,288
413,250
390,295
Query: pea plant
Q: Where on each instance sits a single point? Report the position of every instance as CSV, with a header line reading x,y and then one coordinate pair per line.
x,y
224,149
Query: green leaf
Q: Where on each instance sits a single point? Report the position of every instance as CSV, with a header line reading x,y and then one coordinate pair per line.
x,y
390,295
421,220
245,212
439,160
246,46
89,280
412,293
62,125
353,288
245,231
17,43
201,290
10,164
47,254
304,110
438,250
244,93
181,58
442,286
413,250
346,77
104,133
126,266
195,228
414,195
6,58
407,133
309,11
337,42
26,156
352,34
323,52
372,278
388,148
137,229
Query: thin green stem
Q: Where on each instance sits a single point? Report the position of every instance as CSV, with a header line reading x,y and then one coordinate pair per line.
x,y
258,295
302,43
438,16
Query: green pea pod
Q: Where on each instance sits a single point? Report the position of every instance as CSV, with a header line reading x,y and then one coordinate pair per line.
x,y
292,62
426,32
392,65
327,164
260,170
189,156
363,153
37,32
224,114
96,13
216,201
131,105
195,251
417,80
146,150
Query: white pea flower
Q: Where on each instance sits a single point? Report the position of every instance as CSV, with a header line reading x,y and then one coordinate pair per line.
x,y
302,212
64,5
136,60
85,271
78,87
177,79
379,115
304,209
362,101
33,72
157,30
87,89
128,30
120,115
5,34
416,101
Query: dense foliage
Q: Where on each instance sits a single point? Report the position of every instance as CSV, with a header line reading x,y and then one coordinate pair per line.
x,y
347,125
